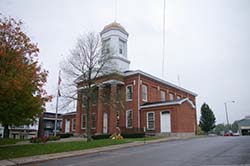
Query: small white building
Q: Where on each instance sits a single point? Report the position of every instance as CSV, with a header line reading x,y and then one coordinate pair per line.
x,y
244,126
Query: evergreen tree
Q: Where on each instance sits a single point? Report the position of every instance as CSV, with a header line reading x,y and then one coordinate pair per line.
x,y
207,119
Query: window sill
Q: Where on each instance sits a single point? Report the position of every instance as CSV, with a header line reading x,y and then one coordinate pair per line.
x,y
129,100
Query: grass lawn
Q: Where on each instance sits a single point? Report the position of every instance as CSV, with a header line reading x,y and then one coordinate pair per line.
x,y
47,148
7,141
56,147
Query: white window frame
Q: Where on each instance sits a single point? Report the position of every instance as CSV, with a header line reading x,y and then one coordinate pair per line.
x,y
170,97
146,93
128,99
85,121
122,47
163,95
127,113
148,121
73,122
92,121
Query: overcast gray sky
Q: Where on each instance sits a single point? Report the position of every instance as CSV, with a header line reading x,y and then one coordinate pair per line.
x,y
207,42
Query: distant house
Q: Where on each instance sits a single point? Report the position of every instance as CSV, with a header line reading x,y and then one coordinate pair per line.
x,y
47,124
244,126
21,132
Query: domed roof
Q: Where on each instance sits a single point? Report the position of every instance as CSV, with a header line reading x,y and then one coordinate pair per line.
x,y
114,26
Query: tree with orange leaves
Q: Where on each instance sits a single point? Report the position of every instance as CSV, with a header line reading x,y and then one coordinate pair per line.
x,y
22,80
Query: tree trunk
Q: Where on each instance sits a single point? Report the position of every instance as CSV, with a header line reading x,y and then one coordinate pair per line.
x,y
6,131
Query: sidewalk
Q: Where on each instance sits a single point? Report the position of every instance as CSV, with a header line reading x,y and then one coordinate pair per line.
x,y
39,158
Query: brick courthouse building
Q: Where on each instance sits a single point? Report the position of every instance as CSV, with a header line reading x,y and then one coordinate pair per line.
x,y
147,101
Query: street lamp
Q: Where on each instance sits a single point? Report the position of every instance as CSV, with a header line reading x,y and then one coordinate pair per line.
x,y
226,110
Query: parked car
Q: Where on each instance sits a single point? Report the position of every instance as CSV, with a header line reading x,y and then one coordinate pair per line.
x,y
236,134
228,133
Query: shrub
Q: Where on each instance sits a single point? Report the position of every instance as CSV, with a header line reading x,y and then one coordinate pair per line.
x,y
65,135
104,136
39,139
53,138
133,135
43,139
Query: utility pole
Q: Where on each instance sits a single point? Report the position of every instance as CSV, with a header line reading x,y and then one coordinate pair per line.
x,y
57,100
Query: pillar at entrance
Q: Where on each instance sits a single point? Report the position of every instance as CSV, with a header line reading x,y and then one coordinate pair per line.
x,y
112,113
99,125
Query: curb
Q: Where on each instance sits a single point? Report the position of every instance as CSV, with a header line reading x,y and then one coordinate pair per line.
x,y
46,157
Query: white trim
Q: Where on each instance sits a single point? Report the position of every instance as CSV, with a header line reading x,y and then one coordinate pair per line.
x,y
127,119
158,79
51,118
170,103
126,92
154,120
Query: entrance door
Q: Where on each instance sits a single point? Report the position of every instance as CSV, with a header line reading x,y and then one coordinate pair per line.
x,y
105,123
165,122
67,126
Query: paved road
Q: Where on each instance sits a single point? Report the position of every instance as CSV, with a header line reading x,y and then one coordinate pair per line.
x,y
199,151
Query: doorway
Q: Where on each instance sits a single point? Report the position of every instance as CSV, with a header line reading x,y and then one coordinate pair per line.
x,y
105,123
165,122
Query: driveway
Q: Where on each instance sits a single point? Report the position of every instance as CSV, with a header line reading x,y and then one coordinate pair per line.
x,y
199,151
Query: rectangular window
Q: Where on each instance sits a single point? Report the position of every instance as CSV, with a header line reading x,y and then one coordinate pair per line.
x,y
150,120
73,124
129,92
94,96
171,96
106,94
84,121
178,97
163,96
119,93
93,120
106,46
121,47
84,101
144,93
129,118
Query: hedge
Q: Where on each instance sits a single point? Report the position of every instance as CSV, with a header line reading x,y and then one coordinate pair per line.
x,y
104,136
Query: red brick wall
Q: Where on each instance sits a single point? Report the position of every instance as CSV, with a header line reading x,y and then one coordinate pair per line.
x,y
182,118
154,89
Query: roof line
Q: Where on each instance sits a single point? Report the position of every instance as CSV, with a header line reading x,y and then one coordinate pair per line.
x,y
159,80
170,103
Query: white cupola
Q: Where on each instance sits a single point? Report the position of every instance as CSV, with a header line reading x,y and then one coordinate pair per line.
x,y
114,41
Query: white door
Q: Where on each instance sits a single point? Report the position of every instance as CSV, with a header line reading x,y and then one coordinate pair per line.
x,y
165,122
105,123
67,126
